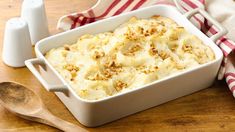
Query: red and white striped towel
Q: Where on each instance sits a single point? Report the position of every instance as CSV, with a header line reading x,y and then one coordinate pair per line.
x,y
107,8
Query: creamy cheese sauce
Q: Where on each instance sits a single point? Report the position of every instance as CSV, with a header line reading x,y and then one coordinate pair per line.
x,y
136,53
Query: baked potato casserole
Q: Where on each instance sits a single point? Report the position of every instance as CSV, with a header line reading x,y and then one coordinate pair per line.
x,y
136,53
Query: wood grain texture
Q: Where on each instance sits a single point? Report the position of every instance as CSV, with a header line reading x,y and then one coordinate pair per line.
x,y
27,104
212,109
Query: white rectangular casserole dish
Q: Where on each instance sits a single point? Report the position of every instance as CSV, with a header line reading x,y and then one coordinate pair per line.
x,y
95,113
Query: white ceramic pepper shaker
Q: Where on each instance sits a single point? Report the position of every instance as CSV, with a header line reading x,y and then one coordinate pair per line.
x,y
33,11
17,44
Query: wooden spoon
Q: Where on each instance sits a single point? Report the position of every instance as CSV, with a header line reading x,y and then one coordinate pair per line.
x,y
26,104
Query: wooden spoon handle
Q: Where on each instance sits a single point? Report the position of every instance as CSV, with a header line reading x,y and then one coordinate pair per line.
x,y
59,123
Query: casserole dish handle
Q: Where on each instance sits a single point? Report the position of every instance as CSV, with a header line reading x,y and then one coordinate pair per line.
x,y
222,31
52,88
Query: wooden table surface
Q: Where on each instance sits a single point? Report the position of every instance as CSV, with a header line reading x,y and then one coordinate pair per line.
x,y
212,109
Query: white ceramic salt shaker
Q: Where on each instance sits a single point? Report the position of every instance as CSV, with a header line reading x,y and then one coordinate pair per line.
x,y
33,11
17,44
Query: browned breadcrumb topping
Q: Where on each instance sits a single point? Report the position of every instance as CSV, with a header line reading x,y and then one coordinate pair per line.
x,y
150,32
72,69
187,47
105,74
174,47
98,55
131,51
119,85
130,35
135,48
112,67
108,73
163,55
140,68
153,51
156,67
150,70
133,36
173,37
110,63
97,77
146,69
66,47
162,31
140,30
